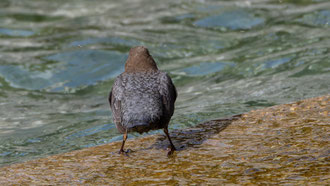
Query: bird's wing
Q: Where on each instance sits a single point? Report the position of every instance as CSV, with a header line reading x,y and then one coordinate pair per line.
x,y
168,92
115,97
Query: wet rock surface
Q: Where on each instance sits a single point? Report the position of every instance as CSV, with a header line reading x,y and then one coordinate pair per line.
x,y
286,144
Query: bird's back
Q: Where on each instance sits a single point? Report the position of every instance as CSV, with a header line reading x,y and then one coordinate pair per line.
x,y
141,103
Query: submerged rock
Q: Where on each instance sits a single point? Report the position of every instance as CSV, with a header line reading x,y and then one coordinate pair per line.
x,y
277,145
233,20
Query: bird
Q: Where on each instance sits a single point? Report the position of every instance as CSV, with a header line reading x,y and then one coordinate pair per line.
x,y
142,97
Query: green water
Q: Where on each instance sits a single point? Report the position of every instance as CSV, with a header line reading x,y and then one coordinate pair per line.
x,y
58,60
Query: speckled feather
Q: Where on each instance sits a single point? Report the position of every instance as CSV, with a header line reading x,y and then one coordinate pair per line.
x,y
142,99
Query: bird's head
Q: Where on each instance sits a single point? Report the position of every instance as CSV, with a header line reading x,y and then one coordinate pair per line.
x,y
139,60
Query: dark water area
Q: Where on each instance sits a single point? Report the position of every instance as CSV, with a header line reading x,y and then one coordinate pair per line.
x,y
58,61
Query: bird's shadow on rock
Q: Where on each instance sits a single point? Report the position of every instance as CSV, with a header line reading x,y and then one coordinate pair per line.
x,y
193,137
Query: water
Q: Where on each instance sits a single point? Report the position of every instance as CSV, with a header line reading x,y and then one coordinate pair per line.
x,y
58,61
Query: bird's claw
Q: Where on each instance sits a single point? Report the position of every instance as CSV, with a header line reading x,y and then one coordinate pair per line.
x,y
171,152
123,152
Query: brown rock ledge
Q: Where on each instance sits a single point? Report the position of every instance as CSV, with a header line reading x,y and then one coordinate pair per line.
x,y
282,144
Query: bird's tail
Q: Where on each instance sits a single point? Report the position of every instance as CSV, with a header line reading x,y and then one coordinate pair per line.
x,y
139,127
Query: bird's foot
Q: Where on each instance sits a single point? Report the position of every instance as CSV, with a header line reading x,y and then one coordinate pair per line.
x,y
171,152
123,152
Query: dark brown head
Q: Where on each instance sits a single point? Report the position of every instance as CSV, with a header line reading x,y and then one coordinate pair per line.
x,y
139,60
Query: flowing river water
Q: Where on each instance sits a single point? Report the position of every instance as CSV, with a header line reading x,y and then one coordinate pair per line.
x,y
58,61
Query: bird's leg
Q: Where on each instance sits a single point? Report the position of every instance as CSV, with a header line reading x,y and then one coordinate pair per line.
x,y
121,151
172,146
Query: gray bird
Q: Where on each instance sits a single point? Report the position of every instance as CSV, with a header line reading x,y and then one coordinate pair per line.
x,y
142,98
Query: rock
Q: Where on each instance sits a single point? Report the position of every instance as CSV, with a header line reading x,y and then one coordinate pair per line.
x,y
268,146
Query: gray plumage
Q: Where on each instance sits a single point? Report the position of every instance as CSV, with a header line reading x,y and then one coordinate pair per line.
x,y
142,98
142,101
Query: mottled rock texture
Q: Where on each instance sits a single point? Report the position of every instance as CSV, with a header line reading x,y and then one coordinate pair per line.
x,y
284,144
